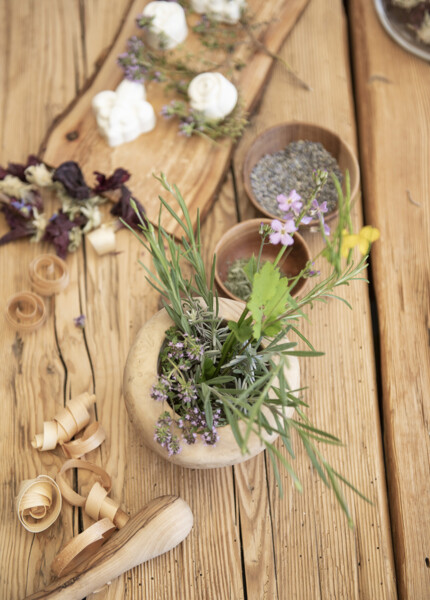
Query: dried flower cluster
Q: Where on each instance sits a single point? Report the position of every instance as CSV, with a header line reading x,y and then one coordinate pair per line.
x,y
22,203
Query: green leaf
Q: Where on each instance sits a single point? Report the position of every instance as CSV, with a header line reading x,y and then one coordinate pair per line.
x,y
250,268
338,493
241,331
352,487
267,301
206,393
232,421
208,369
310,451
273,449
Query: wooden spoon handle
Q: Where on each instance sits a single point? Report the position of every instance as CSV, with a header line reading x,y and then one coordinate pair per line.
x,y
157,528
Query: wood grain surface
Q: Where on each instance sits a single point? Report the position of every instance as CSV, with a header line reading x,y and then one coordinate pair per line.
x,y
197,165
309,558
394,124
247,542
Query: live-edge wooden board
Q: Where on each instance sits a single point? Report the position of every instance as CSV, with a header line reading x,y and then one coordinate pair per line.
x,y
196,165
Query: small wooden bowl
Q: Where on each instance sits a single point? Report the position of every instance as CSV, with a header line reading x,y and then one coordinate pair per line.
x,y
278,137
243,240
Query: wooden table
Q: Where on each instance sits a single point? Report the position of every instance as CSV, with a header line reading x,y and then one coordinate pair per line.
x,y
372,388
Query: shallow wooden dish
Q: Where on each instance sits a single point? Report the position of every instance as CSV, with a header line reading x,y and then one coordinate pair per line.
x,y
243,241
278,137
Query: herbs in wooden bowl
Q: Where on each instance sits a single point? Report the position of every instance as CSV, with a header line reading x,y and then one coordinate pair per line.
x,y
242,243
285,157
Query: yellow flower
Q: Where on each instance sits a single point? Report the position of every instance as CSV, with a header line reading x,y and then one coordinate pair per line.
x,y
363,240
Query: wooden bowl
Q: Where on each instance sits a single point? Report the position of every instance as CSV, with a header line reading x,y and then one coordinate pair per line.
x,y
243,240
278,137
141,372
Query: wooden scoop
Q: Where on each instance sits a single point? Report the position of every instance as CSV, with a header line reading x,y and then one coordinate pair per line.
x,y
157,528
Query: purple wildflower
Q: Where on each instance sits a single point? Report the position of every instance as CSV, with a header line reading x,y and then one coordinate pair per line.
x,y
166,112
80,321
164,436
290,204
186,129
310,270
159,390
281,232
317,211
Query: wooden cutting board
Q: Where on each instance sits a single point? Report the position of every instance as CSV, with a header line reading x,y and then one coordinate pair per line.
x,y
196,165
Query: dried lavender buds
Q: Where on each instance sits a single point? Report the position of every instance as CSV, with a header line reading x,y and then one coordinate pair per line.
x,y
292,169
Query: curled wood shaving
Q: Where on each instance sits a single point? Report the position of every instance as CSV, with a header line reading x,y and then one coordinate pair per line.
x,y
94,435
38,503
82,547
49,274
65,424
99,506
68,494
107,514
25,311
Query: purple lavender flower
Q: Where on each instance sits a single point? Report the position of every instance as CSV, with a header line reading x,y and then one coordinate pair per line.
x,y
186,129
159,390
166,112
80,321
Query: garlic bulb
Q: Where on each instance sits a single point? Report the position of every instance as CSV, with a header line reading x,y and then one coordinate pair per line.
x,y
168,27
225,11
123,115
213,95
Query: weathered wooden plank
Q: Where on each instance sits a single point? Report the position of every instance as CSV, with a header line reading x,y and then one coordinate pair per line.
x,y
41,370
100,22
316,555
394,117
39,78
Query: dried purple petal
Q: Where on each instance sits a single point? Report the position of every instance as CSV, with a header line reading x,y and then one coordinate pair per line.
x,y
57,231
125,211
17,169
70,175
114,182
19,217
